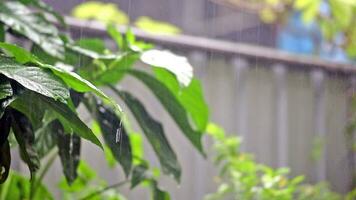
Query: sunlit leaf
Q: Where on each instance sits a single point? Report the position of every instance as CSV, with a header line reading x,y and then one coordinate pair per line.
x,y
178,65
104,12
156,27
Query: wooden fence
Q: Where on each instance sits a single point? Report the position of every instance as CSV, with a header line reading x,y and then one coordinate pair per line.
x,y
290,111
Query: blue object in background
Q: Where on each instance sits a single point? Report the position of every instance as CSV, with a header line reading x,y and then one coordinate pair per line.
x,y
301,38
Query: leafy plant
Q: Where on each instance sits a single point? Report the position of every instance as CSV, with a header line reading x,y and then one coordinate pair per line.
x,y
242,178
335,18
41,90
111,13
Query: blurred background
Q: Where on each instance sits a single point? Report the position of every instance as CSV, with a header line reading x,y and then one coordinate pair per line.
x,y
291,109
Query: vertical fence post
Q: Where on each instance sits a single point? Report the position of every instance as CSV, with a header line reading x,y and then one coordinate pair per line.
x,y
241,66
318,82
281,123
350,134
198,60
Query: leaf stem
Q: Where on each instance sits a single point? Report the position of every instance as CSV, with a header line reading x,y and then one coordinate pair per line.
x,y
116,185
37,181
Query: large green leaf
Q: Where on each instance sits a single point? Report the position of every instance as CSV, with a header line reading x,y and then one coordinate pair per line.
x,y
33,25
5,88
154,133
178,65
191,97
69,151
25,137
34,78
172,105
69,119
115,136
20,54
72,79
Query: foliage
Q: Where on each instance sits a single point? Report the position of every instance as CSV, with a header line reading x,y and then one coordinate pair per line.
x,y
241,177
335,18
41,89
110,13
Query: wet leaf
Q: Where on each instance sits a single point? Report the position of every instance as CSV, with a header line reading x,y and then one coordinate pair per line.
x,y
138,174
5,125
5,88
172,105
32,25
25,137
115,136
69,119
155,134
68,150
34,78
157,193
191,97
178,65
5,161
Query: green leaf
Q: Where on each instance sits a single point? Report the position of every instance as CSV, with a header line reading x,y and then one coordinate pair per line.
x,y
115,136
45,136
341,12
34,78
79,84
2,33
138,174
25,137
72,79
18,187
156,27
5,125
157,193
20,54
178,65
48,9
172,105
154,133
191,97
33,25
85,175
93,44
117,36
116,69
5,88
5,161
104,12
69,152
69,119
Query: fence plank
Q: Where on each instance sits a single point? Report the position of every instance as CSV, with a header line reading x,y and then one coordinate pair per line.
x,y
281,122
